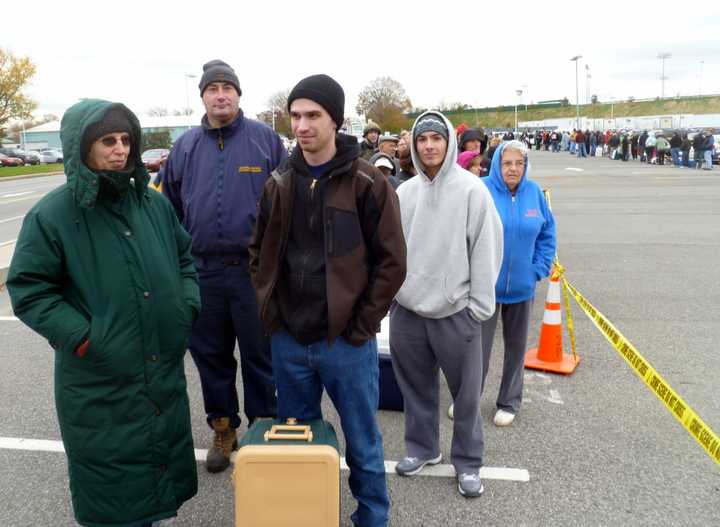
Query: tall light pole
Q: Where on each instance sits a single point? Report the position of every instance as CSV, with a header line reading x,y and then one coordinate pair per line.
x,y
577,92
23,138
702,62
518,93
187,93
662,57
587,83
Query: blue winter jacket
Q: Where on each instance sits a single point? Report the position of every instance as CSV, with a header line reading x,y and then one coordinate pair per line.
x,y
214,178
528,233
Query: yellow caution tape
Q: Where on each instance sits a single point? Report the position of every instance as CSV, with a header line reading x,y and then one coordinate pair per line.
x,y
570,324
675,404
558,271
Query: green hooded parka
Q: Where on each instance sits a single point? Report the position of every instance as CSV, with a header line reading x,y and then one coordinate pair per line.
x,y
120,273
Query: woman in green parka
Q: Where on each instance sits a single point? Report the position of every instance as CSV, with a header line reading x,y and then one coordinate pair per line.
x,y
103,270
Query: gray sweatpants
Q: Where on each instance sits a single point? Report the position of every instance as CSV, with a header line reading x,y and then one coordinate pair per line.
x,y
420,347
515,322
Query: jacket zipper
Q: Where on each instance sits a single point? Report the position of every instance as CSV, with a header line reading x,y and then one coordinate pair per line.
x,y
512,216
221,141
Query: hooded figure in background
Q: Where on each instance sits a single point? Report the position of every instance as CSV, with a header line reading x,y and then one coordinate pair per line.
x,y
102,269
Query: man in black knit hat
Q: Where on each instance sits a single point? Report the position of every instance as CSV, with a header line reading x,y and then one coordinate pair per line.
x,y
214,176
327,257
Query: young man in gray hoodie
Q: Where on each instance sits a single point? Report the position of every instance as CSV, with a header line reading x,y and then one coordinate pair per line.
x,y
454,253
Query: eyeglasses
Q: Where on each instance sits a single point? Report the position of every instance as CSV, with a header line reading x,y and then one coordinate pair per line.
x,y
111,140
510,164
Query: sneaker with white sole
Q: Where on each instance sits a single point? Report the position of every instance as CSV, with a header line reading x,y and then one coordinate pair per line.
x,y
470,485
410,466
503,418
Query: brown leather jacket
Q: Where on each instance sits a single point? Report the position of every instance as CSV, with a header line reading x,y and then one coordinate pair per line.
x,y
365,248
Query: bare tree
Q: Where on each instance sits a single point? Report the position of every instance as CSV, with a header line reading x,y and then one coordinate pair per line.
x,y
157,111
450,107
277,115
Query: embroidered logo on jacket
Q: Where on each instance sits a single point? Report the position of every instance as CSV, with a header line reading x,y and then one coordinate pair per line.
x,y
532,213
249,170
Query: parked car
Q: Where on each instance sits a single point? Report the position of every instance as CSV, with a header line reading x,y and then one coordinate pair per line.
x,y
8,161
25,156
155,158
32,157
50,155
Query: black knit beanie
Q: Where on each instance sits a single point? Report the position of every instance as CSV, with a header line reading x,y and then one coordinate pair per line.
x,y
218,71
115,120
323,90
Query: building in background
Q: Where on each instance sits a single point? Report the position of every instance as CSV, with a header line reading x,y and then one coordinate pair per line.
x,y
48,135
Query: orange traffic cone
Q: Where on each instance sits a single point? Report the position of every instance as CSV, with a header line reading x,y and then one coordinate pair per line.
x,y
549,356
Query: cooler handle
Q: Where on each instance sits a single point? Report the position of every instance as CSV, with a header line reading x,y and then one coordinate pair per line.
x,y
276,433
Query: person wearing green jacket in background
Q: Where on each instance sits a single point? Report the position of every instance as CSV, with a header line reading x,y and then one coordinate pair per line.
x,y
102,269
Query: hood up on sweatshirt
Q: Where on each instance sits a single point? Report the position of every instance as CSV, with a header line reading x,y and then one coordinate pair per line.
x,y
454,239
494,177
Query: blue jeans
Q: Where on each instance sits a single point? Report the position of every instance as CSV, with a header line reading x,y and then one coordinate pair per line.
x,y
581,151
675,154
349,375
708,160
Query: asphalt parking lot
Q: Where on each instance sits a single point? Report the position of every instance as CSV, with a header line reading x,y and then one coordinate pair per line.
x,y
639,242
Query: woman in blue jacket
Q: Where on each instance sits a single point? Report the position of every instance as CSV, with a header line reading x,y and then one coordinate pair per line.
x,y
529,247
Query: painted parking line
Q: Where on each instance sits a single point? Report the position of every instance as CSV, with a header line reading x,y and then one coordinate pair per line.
x,y
573,169
14,218
16,200
17,194
9,319
438,471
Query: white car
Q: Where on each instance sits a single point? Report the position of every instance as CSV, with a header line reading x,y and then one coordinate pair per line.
x,y
50,155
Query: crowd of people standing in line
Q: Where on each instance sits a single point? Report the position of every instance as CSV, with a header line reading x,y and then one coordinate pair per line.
x,y
682,149
296,259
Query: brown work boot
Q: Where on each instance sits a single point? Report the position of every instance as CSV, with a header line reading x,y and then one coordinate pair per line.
x,y
224,442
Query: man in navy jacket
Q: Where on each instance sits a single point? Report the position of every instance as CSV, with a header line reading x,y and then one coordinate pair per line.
x,y
214,178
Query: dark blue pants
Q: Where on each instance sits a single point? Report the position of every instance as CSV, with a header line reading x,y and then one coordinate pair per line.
x,y
230,313
349,375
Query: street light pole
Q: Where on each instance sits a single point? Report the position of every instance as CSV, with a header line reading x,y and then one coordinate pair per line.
x,y
519,93
187,93
577,92
702,62
662,57
587,84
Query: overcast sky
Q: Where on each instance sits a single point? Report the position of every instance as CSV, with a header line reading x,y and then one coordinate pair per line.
x,y
478,53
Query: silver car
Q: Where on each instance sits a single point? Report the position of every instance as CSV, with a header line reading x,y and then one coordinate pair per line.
x,y
50,155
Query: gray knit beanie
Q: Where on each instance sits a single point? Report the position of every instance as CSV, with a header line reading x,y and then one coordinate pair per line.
x,y
218,71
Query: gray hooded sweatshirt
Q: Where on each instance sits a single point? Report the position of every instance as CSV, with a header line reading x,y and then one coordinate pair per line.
x,y
454,239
